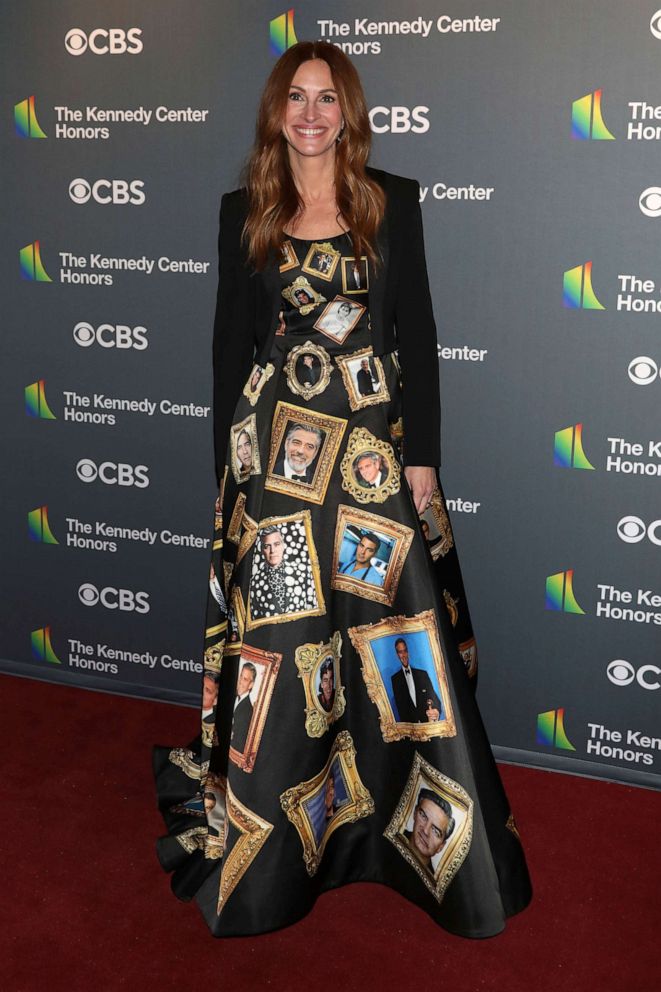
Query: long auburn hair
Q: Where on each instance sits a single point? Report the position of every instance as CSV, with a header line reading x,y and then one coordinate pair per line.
x,y
273,199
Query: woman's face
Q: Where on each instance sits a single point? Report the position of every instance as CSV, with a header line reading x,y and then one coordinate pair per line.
x,y
313,117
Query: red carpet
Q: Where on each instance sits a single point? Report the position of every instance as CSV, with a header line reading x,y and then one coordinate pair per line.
x,y
86,907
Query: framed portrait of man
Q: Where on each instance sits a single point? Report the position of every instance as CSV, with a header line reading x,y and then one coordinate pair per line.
x,y
256,677
244,449
332,798
404,669
289,256
319,668
304,446
369,552
354,274
308,368
364,378
436,528
369,468
257,379
321,260
302,296
432,825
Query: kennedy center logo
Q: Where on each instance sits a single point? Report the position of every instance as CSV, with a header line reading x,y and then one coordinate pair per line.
x,y
39,526
281,33
568,448
32,268
577,291
587,124
551,730
36,404
25,119
42,648
560,593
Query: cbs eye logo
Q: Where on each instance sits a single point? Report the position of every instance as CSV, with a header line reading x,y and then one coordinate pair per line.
x,y
623,673
118,336
105,191
104,41
650,199
643,370
655,24
113,473
632,530
114,599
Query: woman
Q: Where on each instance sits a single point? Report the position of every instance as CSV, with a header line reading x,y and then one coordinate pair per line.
x,y
403,722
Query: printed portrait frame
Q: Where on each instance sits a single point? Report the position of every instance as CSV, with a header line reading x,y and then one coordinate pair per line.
x,y
304,517
324,374
238,607
334,428
321,248
234,528
363,442
468,652
424,775
362,639
290,257
362,519
437,514
228,571
252,395
356,306
270,662
360,803
253,834
300,282
308,658
346,259
247,538
356,401
249,425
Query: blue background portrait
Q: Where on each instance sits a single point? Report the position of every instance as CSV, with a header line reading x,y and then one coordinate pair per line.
x,y
420,656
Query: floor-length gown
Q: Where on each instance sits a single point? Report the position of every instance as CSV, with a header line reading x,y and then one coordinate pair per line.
x,y
340,739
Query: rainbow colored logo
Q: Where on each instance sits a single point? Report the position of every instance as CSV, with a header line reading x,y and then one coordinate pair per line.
x,y
560,593
25,119
42,648
281,33
39,526
577,291
587,124
32,268
551,730
568,448
36,404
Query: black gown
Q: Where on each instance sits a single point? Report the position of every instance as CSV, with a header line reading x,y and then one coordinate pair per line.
x,y
340,739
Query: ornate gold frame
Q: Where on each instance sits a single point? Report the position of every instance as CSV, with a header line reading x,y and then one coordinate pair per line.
x,y
270,663
252,395
249,533
345,279
356,401
457,845
363,442
292,262
326,248
234,528
392,730
355,305
360,801
248,424
437,514
308,658
300,282
239,608
254,832
320,609
334,428
468,652
324,376
403,537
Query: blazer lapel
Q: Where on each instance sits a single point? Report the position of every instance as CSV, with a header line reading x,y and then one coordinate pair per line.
x,y
377,288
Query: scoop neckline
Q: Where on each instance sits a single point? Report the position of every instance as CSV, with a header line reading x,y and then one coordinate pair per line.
x,y
332,237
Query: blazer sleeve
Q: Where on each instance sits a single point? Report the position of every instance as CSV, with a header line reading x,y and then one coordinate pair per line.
x,y
416,339
233,328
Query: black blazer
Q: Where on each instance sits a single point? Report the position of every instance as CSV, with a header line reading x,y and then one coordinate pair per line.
x,y
400,308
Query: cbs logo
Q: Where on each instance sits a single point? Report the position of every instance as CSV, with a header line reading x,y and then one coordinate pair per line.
x,y
104,41
650,199
655,24
113,473
110,336
631,530
108,191
623,673
399,120
114,599
643,370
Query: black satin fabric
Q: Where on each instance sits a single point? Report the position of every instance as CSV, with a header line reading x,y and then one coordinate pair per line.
x,y
252,835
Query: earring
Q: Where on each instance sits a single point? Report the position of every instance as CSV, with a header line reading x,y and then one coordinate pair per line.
x,y
339,137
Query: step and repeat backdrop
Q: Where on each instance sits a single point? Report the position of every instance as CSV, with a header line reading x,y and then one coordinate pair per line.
x,y
534,131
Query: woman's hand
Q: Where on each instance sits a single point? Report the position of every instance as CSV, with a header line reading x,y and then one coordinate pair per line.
x,y
422,482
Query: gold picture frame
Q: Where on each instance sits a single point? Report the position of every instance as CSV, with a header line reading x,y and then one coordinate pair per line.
x,y
228,571
297,527
237,609
294,295
289,255
468,652
369,581
240,470
253,833
234,528
327,259
305,807
325,369
310,660
347,287
438,530
338,319
288,418
346,365
362,447
376,645
251,391
247,538
424,778
265,665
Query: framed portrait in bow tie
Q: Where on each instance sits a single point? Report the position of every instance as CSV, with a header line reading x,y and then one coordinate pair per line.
x,y
369,468
257,672
436,527
304,446
405,674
